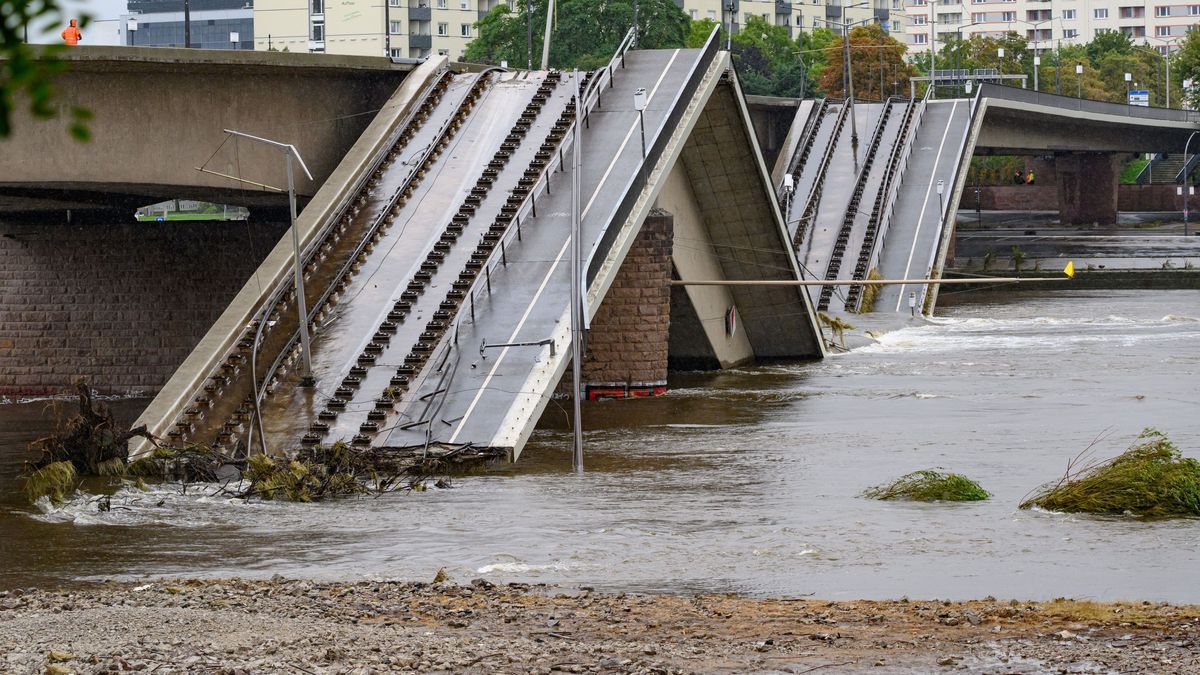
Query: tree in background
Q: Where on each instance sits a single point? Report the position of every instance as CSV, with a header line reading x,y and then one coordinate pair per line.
x,y
699,31
1186,66
877,65
770,63
27,74
585,33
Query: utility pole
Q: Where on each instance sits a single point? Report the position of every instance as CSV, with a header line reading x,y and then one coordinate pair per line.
x,y
546,40
850,98
576,285
932,51
187,24
529,36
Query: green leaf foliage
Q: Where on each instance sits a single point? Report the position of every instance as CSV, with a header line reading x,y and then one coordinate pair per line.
x,y
1151,479
930,486
585,32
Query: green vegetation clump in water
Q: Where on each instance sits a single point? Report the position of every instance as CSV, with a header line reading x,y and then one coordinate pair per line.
x,y
1150,479
930,486
870,293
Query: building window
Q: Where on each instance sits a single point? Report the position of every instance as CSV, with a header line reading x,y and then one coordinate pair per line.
x,y
917,20
462,4
1068,15
394,27
464,29
1102,31
443,29
1100,12
441,4
318,6
1070,33
318,32
691,13
396,54
442,52
1194,10
921,39
394,3
1008,16
1162,11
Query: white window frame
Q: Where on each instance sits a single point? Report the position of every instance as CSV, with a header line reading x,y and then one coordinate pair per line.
x,y
464,30
443,29
1100,13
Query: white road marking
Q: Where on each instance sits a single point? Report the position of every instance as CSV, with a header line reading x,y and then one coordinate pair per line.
x,y
925,204
557,260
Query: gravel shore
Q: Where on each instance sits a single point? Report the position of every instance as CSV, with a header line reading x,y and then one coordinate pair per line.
x,y
297,626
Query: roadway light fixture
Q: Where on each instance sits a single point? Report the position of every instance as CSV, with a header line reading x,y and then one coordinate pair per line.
x,y
1079,79
1186,173
941,189
1037,61
639,104
1128,80
849,74
289,152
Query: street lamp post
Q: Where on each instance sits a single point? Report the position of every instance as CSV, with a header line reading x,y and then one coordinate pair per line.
x,y
1079,80
290,152
1186,173
1128,80
639,104
845,26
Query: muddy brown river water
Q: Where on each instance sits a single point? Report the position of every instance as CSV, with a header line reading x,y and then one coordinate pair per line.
x,y
745,481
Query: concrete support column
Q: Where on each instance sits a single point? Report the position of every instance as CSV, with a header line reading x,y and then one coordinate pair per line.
x,y
627,345
1087,187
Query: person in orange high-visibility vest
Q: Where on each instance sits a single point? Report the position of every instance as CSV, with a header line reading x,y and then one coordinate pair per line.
x,y
71,34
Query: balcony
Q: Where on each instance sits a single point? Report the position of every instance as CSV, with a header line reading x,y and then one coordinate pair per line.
x,y
420,41
420,13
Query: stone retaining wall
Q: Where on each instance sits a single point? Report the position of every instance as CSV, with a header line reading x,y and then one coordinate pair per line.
x,y
121,304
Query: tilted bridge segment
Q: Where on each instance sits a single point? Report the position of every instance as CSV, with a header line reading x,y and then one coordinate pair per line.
x,y
438,275
889,212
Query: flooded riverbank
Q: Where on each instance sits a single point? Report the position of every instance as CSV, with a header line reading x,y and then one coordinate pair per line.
x,y
744,481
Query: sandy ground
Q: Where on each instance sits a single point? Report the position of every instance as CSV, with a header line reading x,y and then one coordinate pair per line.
x,y
305,627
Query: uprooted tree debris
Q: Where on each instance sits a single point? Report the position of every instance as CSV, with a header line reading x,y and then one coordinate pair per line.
x,y
1151,479
930,486
89,445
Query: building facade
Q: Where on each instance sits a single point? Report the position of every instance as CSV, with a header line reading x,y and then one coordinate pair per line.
x,y
215,24
797,15
1047,24
421,28
398,28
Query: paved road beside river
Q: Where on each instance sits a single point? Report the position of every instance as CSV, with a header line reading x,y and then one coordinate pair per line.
x,y
294,626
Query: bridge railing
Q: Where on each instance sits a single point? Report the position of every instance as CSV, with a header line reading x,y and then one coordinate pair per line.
x,y
989,90
633,189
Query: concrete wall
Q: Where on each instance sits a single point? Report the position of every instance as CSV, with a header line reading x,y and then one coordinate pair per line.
x,y
123,304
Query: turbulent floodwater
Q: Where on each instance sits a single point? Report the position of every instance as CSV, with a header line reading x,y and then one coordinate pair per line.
x,y
742,481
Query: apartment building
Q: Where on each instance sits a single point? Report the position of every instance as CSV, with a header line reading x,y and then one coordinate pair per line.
x,y
1046,24
420,28
399,28
797,15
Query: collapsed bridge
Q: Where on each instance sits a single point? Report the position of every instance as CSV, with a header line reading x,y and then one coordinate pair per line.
x,y
437,269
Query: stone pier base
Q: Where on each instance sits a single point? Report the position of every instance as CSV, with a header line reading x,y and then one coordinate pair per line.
x,y
627,345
